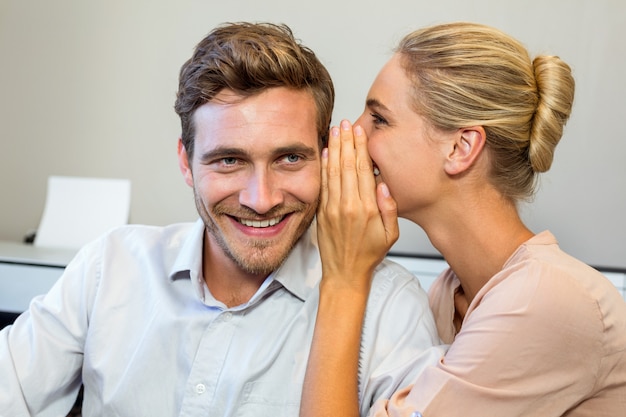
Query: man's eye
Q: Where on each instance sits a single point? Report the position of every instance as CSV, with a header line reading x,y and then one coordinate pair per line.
x,y
229,161
292,158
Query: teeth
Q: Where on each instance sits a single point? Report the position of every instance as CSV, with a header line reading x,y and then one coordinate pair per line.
x,y
376,171
260,223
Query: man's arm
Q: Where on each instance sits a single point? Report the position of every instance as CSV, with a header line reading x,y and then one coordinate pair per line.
x,y
41,354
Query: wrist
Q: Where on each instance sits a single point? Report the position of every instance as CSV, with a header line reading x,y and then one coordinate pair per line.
x,y
346,286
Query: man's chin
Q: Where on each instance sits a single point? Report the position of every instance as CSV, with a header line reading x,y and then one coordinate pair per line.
x,y
263,256
260,255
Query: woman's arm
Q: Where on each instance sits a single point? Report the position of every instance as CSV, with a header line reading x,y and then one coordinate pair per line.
x,y
357,224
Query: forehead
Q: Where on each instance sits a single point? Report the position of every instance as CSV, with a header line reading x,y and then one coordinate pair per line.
x,y
276,117
392,85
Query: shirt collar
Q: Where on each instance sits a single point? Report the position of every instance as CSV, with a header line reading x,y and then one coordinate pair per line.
x,y
302,270
299,274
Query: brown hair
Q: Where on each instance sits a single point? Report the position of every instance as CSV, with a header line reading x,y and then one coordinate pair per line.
x,y
249,58
468,74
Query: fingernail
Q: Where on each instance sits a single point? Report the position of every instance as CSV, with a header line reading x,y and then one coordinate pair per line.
x,y
325,153
345,125
385,189
358,130
334,131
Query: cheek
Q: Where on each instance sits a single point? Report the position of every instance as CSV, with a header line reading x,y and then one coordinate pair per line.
x,y
305,185
397,163
378,152
215,189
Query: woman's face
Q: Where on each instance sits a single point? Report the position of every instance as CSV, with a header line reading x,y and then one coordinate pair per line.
x,y
407,151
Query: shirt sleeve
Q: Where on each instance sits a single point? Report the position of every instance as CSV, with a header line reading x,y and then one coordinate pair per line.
x,y
530,348
41,354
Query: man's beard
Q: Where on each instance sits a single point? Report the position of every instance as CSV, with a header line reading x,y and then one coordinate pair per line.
x,y
258,256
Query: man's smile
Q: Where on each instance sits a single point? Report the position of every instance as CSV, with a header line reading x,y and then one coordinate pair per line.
x,y
261,223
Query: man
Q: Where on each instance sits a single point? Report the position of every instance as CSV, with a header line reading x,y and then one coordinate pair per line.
x,y
214,318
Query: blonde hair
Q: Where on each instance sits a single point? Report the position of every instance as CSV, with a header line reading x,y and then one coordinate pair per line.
x,y
468,74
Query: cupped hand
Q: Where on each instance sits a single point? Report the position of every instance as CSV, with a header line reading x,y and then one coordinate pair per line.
x,y
357,219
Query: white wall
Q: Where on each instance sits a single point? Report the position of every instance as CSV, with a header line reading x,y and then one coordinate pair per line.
x,y
87,89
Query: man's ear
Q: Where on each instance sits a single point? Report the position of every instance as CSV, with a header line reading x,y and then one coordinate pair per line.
x,y
183,163
467,146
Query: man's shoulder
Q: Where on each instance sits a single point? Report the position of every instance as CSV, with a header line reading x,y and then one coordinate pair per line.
x,y
393,282
137,245
138,231
139,237
393,272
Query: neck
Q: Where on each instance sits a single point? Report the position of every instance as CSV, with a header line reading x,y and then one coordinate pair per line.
x,y
226,280
476,239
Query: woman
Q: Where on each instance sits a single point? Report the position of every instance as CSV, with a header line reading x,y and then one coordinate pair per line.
x,y
458,124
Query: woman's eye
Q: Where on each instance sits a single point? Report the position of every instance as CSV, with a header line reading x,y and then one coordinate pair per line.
x,y
378,120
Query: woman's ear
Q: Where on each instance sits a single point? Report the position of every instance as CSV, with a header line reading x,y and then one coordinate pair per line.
x,y
467,146
183,163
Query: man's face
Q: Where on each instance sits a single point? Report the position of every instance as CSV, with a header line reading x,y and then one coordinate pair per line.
x,y
255,173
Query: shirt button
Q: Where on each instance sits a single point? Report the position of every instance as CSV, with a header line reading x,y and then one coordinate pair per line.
x,y
416,414
227,316
200,389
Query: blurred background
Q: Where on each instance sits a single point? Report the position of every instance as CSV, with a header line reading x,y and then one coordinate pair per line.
x,y
87,89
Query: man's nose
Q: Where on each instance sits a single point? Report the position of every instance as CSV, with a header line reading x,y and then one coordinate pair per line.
x,y
262,192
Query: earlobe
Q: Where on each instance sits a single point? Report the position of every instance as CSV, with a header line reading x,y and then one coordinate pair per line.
x,y
183,163
468,144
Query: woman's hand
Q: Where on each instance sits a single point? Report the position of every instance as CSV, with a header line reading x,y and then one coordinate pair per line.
x,y
357,219
357,224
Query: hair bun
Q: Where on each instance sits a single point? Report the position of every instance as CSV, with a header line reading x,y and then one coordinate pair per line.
x,y
555,87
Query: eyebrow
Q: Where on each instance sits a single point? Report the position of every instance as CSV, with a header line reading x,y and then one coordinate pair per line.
x,y
221,152
297,148
375,104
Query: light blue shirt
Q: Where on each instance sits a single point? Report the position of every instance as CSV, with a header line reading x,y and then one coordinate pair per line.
x,y
133,320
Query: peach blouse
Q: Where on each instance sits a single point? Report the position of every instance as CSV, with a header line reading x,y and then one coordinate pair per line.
x,y
546,336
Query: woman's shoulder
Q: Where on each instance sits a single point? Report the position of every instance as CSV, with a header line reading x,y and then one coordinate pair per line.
x,y
551,286
541,262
